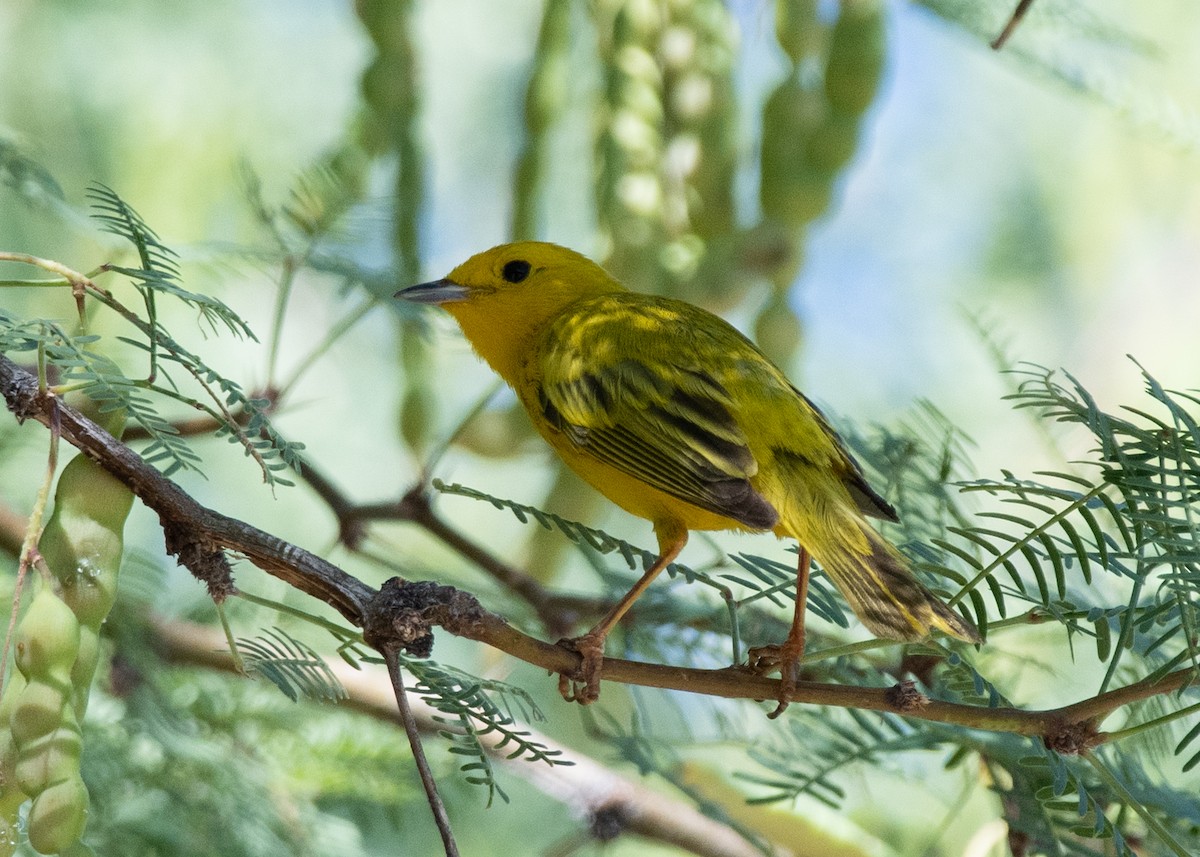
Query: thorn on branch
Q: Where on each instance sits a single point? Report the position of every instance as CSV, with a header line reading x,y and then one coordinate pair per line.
x,y
22,397
403,614
905,698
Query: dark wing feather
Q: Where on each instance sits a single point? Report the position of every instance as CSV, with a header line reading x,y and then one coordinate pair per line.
x,y
673,429
865,497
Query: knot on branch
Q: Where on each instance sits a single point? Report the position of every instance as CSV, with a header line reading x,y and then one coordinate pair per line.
x,y
20,391
1071,739
207,564
904,697
403,614
608,822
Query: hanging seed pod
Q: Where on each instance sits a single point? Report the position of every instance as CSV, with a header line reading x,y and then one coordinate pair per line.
x,y
629,141
792,190
418,406
83,544
698,51
833,142
11,796
857,50
798,29
58,816
390,89
545,101
45,730
778,331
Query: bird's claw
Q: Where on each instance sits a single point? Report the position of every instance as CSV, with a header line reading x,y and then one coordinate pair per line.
x,y
583,684
786,658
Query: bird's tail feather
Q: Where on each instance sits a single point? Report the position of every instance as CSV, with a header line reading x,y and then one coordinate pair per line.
x,y
879,584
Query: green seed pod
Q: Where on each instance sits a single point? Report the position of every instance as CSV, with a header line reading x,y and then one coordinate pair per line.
x,y
84,669
416,411
47,638
11,796
58,816
547,92
11,800
778,331
390,89
792,191
38,710
639,140
51,758
857,50
545,100
418,405
83,544
386,28
798,28
629,140
643,18
44,729
699,50
833,142
83,541
378,87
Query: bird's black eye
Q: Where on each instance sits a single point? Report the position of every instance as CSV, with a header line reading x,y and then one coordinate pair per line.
x,y
516,270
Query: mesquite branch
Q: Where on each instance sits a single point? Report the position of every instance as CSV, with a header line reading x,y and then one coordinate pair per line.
x,y
201,538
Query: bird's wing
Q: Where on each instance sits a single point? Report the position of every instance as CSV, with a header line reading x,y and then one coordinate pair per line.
x,y
864,496
655,416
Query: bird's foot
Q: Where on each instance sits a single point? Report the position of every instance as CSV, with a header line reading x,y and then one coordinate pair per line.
x,y
583,685
785,657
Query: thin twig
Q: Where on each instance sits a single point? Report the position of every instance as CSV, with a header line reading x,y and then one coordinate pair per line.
x,y
414,741
29,544
188,428
558,613
1017,15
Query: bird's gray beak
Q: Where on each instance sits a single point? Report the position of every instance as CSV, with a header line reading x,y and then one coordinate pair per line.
x,y
437,292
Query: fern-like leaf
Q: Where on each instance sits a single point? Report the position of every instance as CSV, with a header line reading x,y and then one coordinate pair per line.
x,y
159,270
290,665
470,710
803,761
101,380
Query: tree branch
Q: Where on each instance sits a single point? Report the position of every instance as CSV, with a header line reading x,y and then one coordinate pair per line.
x,y
195,534
199,537
558,613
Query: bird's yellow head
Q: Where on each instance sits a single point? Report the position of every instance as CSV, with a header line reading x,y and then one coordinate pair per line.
x,y
502,297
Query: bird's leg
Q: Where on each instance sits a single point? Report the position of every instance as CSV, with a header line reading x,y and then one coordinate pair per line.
x,y
788,654
583,686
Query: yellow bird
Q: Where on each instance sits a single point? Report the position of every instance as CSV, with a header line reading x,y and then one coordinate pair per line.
x,y
678,418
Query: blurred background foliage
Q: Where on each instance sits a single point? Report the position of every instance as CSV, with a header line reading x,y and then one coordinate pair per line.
x,y
893,210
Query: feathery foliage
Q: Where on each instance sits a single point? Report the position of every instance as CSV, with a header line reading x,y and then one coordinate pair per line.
x,y
472,708
290,665
240,417
159,272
